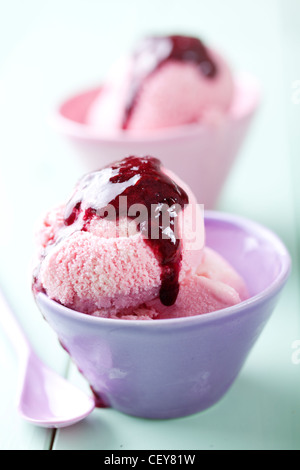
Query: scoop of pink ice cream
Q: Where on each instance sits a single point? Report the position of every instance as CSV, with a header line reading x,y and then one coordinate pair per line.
x,y
107,268
212,286
166,81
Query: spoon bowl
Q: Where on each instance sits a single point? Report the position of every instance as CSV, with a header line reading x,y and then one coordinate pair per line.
x,y
44,397
48,400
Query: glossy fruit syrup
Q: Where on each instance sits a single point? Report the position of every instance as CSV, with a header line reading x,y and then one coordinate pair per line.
x,y
154,51
145,185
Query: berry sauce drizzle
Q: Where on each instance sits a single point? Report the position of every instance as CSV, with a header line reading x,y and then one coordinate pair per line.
x,y
153,52
146,188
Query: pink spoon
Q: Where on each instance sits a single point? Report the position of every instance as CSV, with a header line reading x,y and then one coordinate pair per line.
x,y
44,398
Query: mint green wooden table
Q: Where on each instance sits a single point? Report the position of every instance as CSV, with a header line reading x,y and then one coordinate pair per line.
x,y
48,49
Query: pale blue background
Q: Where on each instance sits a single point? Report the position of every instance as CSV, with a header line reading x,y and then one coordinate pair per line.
x,y
52,47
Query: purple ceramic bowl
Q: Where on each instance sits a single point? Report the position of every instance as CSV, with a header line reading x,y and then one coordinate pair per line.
x,y
176,367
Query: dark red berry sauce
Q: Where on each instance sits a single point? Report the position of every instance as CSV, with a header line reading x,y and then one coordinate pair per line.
x,y
148,188
152,52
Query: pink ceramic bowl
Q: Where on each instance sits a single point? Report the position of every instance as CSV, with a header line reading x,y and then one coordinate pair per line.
x,y
175,367
202,155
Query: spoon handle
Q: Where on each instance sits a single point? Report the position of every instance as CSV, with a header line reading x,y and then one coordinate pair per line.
x,y
12,328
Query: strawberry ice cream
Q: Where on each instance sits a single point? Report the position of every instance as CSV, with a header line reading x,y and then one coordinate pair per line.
x,y
124,246
166,81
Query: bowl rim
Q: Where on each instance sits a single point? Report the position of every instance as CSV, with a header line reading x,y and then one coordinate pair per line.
x,y
83,132
244,223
